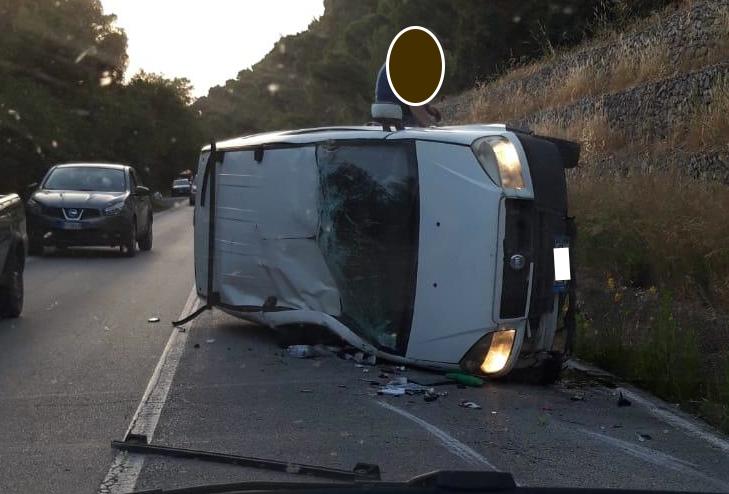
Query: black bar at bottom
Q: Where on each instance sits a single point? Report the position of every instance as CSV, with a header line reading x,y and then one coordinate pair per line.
x,y
362,471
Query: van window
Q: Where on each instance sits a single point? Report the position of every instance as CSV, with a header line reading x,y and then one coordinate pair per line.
x,y
369,235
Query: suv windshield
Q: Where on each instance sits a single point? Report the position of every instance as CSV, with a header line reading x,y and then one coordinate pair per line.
x,y
86,179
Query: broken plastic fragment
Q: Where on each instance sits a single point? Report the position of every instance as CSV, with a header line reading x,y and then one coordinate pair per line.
x,y
301,351
153,319
391,391
470,404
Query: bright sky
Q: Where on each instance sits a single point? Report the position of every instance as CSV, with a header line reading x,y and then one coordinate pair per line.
x,y
207,41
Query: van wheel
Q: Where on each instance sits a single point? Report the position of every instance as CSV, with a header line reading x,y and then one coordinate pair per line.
x,y
145,243
11,295
544,372
129,246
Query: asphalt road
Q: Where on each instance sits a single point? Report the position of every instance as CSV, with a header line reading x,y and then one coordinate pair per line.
x,y
74,366
83,365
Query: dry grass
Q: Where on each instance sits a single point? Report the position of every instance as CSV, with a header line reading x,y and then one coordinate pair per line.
x,y
709,127
507,98
656,230
592,78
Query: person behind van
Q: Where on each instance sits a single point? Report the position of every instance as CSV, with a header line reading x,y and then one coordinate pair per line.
x,y
412,116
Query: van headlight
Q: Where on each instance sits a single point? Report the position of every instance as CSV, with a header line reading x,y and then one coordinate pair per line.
x,y
500,161
492,352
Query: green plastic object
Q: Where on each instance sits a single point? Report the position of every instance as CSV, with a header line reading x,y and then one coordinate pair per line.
x,y
465,379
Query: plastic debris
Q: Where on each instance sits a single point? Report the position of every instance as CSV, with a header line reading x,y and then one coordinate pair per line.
x,y
301,351
430,396
469,404
577,397
644,437
210,340
391,391
153,319
623,401
465,379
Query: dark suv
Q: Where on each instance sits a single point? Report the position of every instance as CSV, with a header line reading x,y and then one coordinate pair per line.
x,y
85,204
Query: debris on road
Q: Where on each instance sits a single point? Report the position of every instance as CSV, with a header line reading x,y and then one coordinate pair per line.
x,y
470,404
210,340
305,390
623,401
391,391
465,379
577,397
196,345
153,319
301,351
430,396
644,437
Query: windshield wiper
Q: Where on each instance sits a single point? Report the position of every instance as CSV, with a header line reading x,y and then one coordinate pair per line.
x,y
433,482
361,471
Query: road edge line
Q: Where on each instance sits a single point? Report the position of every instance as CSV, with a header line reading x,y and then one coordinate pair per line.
x,y
125,468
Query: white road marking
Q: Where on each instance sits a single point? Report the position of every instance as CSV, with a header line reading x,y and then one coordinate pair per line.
x,y
657,458
455,446
675,420
126,467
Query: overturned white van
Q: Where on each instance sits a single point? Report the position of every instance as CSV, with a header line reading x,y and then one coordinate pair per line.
x,y
429,246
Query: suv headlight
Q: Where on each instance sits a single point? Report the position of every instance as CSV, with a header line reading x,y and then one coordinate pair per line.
x,y
114,209
500,161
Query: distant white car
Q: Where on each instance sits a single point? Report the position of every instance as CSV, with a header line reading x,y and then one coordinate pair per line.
x,y
428,246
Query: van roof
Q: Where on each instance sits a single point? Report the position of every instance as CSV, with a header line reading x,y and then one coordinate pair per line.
x,y
461,134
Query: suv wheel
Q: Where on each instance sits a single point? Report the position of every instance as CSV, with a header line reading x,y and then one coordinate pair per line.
x,y
11,295
35,247
145,243
129,247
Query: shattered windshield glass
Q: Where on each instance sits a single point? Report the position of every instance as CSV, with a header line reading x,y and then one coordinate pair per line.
x,y
369,235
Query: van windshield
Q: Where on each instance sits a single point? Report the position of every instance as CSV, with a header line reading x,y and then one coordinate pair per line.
x,y
369,236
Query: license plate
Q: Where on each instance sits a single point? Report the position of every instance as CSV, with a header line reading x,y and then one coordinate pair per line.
x,y
562,264
70,225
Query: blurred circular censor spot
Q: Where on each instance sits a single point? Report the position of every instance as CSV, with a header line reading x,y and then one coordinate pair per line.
x,y
415,65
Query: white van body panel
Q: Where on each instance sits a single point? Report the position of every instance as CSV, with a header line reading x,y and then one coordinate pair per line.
x,y
266,226
459,223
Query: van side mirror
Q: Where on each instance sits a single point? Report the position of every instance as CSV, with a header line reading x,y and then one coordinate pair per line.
x,y
141,190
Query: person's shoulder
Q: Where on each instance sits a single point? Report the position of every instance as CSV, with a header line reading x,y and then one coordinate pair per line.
x,y
383,91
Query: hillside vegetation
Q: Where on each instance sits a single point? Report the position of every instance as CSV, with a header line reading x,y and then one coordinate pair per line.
x,y
650,105
325,75
62,97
